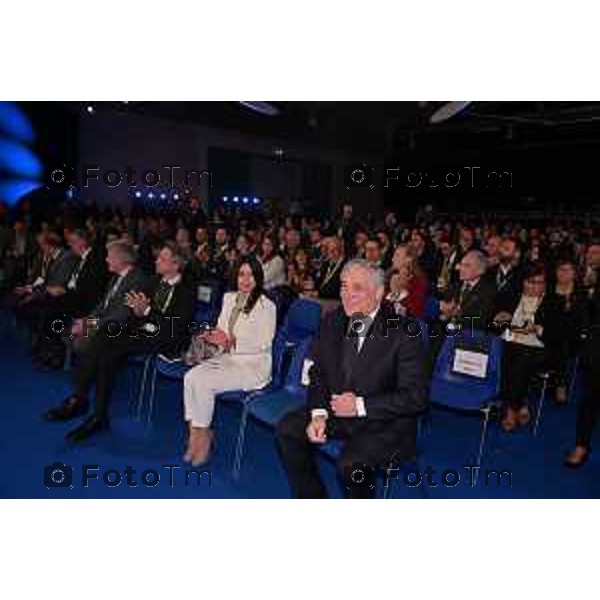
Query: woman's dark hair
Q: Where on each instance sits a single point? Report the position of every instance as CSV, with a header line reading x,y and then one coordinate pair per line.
x,y
274,243
259,278
535,269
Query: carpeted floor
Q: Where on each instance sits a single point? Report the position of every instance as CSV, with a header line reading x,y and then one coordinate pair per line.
x,y
28,445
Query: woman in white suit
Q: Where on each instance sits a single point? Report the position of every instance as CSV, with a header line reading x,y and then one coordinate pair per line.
x,y
245,331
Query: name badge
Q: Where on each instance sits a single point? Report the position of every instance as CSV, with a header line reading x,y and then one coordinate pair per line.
x,y
468,362
306,366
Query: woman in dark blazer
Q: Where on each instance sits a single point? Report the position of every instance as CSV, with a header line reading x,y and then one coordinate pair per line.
x,y
524,352
562,316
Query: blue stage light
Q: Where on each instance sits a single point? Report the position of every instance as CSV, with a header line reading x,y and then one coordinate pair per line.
x,y
15,124
138,194
19,160
175,196
225,199
13,189
245,200
163,196
150,195
256,201
236,199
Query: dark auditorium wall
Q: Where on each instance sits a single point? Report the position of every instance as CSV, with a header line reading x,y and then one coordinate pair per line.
x,y
116,140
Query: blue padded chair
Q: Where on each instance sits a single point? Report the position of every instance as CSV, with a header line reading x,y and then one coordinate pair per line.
x,y
300,326
465,392
268,406
432,308
209,300
282,296
302,320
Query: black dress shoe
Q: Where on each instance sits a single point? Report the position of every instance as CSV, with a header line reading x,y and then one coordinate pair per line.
x,y
71,408
87,429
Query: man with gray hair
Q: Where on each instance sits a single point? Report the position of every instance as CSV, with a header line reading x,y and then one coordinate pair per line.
x,y
471,300
366,387
126,277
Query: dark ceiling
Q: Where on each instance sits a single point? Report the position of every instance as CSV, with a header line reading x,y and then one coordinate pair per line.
x,y
384,127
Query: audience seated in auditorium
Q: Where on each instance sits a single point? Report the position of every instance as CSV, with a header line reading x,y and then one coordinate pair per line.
x,y
152,324
55,268
44,281
73,301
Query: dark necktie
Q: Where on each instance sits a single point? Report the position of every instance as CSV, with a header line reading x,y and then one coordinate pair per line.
x,y
76,273
162,296
467,287
113,290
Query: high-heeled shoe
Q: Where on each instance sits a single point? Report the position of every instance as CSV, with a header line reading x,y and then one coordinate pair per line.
x,y
577,458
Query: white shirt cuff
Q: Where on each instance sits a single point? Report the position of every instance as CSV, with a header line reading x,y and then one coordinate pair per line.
x,y
319,412
361,411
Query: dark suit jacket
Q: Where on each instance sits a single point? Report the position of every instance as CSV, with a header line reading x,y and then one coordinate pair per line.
x,y
60,268
508,292
172,336
116,310
89,287
389,371
591,330
329,289
477,306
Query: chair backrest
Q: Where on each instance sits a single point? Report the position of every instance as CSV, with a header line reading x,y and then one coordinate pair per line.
x,y
279,349
432,308
208,301
458,390
293,376
417,328
282,296
303,320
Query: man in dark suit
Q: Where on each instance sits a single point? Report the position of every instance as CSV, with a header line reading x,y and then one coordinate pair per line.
x,y
365,389
507,276
328,280
74,300
56,269
471,300
157,325
112,308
